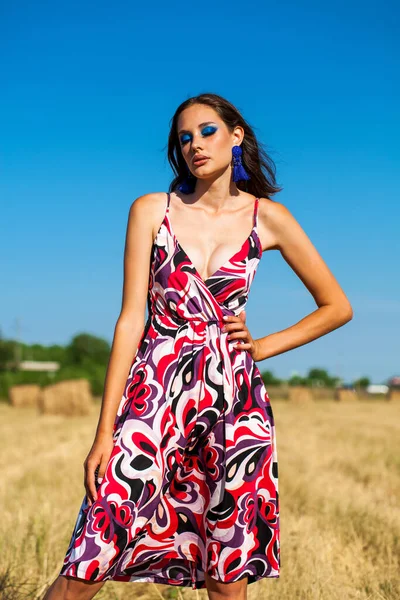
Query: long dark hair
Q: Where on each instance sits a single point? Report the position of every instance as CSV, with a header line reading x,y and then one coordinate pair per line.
x,y
258,164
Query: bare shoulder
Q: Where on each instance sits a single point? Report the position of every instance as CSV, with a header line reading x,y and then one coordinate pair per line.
x,y
273,216
148,210
149,202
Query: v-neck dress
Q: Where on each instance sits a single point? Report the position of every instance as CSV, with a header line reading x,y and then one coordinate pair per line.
x,y
191,485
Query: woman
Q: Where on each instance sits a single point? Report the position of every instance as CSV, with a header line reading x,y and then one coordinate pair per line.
x,y
182,478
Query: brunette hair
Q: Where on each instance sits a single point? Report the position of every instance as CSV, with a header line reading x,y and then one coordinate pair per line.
x,y
258,164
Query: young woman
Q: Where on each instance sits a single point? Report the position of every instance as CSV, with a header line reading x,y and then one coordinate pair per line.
x,y
182,478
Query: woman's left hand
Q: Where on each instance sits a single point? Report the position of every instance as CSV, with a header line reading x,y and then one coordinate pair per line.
x,y
236,328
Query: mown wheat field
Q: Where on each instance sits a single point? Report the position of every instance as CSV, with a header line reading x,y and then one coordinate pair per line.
x,y
339,484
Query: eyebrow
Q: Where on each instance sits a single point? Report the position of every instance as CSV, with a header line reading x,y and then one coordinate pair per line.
x,y
200,125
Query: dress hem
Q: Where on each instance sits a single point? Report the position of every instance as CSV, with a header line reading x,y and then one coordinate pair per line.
x,y
194,584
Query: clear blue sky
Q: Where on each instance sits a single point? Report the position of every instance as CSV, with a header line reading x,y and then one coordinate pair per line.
x,y
88,91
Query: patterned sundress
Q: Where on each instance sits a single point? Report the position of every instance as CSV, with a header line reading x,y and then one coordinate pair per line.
x,y
191,485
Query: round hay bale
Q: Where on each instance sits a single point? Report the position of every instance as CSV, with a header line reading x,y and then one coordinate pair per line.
x,y
346,395
24,395
394,394
322,394
298,393
67,398
277,391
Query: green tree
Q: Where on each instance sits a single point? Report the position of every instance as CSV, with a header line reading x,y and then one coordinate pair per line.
x,y
87,349
6,351
270,379
320,377
363,382
297,380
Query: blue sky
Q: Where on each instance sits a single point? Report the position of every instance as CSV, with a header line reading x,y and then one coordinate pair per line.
x,y
88,91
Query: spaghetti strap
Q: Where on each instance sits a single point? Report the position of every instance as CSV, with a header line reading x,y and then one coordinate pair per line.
x,y
168,199
255,216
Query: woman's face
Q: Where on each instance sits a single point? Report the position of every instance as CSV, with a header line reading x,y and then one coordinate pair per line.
x,y
202,131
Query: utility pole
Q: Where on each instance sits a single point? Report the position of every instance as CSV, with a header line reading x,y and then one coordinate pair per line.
x,y
17,345
339,367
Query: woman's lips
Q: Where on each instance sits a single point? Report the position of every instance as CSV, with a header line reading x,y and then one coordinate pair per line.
x,y
199,161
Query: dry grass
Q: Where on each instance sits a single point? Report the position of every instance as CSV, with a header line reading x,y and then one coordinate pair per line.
x,y
339,483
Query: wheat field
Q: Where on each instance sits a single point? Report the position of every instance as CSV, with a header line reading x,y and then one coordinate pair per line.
x,y
339,485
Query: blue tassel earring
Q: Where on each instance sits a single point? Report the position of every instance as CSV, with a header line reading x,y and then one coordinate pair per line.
x,y
188,185
239,172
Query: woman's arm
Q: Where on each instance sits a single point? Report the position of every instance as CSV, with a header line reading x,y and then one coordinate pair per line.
x,y
280,230
127,333
131,321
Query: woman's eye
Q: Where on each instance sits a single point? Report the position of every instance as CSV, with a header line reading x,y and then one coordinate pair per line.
x,y
209,130
206,131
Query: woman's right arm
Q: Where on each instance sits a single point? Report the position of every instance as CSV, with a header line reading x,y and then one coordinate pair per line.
x,y
127,332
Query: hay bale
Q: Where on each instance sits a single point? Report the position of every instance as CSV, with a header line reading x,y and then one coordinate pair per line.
x,y
346,395
67,398
298,393
394,394
24,395
322,393
277,391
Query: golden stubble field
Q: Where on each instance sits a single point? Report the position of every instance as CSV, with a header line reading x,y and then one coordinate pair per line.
x,y
339,484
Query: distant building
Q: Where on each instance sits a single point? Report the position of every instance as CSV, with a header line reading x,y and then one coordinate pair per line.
x,y
377,389
35,365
